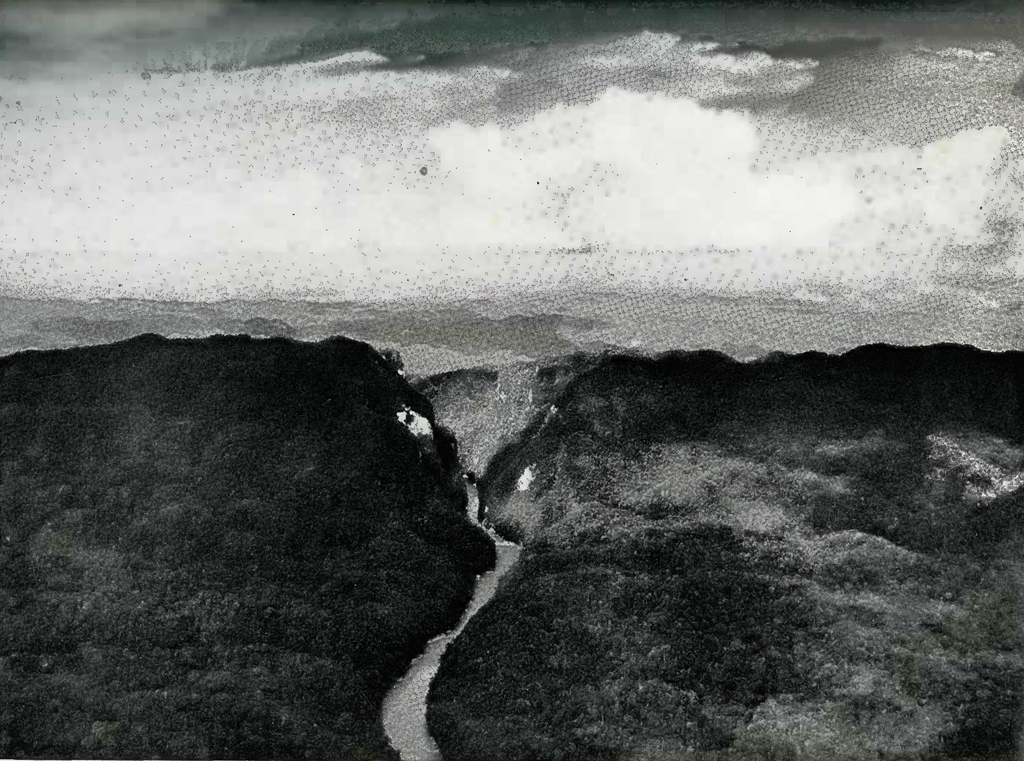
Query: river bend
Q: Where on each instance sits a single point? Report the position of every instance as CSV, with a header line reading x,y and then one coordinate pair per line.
x,y
405,706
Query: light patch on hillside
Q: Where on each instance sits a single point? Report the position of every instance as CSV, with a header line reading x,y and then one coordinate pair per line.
x,y
990,465
813,482
845,547
749,63
526,479
415,422
850,447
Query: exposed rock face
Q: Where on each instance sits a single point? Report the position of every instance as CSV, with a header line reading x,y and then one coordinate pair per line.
x,y
488,408
221,547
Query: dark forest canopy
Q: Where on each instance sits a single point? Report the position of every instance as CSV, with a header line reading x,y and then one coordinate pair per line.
x,y
220,547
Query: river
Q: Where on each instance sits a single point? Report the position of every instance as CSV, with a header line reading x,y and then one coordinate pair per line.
x,y
405,706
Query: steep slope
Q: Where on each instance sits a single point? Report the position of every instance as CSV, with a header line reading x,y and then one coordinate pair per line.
x,y
219,548
489,408
810,556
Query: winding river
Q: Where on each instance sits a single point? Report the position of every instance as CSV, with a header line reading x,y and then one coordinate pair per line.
x,y
405,706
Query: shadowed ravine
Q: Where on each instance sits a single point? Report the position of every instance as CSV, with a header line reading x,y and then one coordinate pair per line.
x,y
405,707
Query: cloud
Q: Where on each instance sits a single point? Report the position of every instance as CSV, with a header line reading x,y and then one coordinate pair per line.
x,y
645,62
818,49
962,54
660,184
637,50
342,63
306,180
711,55
666,190
631,172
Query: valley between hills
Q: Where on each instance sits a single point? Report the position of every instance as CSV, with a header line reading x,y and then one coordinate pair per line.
x,y
232,548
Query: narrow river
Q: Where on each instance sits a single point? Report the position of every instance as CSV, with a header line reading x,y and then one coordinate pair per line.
x,y
405,707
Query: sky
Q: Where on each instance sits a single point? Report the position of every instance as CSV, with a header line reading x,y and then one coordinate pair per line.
x,y
203,151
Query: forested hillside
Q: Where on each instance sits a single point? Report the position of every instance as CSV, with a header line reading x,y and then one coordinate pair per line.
x,y
805,556
221,548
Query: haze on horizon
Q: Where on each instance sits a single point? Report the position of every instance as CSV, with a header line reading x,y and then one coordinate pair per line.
x,y
205,151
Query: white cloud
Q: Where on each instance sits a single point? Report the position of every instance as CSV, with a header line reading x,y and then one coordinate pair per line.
x,y
352,61
608,62
359,56
710,54
695,69
961,53
282,182
745,64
